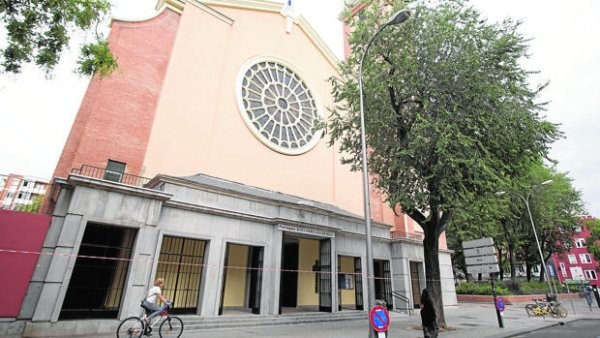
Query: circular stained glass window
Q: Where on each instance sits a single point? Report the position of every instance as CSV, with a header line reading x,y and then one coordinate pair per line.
x,y
278,106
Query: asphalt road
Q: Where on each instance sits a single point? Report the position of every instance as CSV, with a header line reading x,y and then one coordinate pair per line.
x,y
584,328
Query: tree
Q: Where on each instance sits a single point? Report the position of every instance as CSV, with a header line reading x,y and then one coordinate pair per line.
x,y
475,220
34,207
449,113
38,31
593,240
554,208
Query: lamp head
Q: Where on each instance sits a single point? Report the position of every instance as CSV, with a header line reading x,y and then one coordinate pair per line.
x,y
500,193
399,18
548,182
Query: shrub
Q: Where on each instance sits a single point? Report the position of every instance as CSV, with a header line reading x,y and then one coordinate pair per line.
x,y
481,289
514,285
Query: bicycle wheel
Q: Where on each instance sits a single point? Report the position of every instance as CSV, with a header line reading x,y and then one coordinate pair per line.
x,y
172,327
530,310
554,311
563,311
132,327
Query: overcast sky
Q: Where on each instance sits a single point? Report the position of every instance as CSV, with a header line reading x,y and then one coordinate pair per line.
x,y
36,114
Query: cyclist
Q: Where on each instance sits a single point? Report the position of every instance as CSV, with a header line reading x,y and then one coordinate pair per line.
x,y
149,303
588,295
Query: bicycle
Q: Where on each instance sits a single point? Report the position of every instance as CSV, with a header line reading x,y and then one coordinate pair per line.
x,y
561,309
136,327
541,308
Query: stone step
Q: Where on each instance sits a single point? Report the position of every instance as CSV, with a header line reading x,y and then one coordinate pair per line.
x,y
196,323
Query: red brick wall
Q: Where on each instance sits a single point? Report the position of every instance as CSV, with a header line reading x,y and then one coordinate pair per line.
x,y
19,231
116,115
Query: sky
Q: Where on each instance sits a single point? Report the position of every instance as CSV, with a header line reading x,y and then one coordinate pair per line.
x,y
36,113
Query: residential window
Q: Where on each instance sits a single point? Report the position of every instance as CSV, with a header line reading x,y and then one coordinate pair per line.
x,y
590,274
114,171
585,258
535,269
572,259
577,228
579,242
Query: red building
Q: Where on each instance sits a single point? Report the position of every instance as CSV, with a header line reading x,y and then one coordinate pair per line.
x,y
577,264
18,192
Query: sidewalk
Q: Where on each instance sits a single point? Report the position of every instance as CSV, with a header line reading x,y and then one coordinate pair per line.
x,y
466,320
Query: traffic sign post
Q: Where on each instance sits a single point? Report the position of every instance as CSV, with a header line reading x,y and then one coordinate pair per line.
x,y
380,319
499,302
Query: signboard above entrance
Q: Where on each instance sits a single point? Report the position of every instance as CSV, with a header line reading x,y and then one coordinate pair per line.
x,y
308,231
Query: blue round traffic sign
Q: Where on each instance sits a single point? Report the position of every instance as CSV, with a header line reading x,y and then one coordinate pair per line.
x,y
500,304
379,318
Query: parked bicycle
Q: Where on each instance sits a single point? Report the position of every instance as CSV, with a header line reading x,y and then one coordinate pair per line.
x,y
561,309
135,327
541,308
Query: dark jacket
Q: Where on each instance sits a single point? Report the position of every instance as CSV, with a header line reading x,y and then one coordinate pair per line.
x,y
427,314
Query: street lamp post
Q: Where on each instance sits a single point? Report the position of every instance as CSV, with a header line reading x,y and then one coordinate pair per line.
x,y
398,18
526,200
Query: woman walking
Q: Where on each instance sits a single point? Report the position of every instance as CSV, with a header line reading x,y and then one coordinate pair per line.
x,y
428,317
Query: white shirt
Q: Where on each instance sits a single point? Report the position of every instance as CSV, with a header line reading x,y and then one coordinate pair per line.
x,y
152,293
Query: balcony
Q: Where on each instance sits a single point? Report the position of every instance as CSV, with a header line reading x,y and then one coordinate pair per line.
x,y
110,175
407,235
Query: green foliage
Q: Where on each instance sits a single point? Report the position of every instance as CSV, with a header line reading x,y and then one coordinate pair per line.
x,y
507,288
97,59
448,110
593,240
506,219
39,31
34,207
481,289
534,287
554,209
514,285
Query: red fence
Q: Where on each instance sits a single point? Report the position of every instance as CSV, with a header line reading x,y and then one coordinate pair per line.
x,y
19,231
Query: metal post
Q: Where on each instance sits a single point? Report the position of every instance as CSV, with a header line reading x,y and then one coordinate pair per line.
x,y
526,200
398,18
498,313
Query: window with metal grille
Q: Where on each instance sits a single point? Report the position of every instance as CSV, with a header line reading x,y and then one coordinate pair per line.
x,y
97,281
181,263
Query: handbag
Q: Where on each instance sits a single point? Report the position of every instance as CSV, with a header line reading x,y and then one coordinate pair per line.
x,y
437,327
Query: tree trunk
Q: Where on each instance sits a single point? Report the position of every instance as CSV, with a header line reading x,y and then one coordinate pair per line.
x,y
432,270
513,263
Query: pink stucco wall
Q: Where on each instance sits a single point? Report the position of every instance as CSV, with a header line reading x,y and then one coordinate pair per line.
x,y
198,127
19,232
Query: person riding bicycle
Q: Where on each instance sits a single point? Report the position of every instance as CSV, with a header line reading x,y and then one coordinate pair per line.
x,y
149,303
588,295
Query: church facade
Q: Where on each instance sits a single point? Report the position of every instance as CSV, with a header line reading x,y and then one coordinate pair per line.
x,y
247,209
